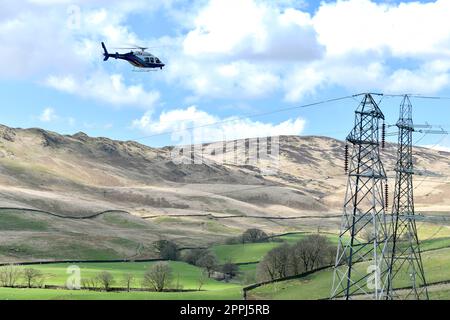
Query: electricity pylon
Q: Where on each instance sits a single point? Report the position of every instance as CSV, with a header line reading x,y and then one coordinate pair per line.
x,y
406,267
362,262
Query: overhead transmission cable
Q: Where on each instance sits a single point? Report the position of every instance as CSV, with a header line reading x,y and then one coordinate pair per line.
x,y
246,116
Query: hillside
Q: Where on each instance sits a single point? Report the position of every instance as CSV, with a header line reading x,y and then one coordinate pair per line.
x,y
77,176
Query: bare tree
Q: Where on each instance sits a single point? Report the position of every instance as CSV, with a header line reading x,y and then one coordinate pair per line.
x,y
158,276
254,235
166,249
208,262
202,279
275,264
9,275
106,280
230,269
128,279
33,277
312,252
90,283
178,285
193,255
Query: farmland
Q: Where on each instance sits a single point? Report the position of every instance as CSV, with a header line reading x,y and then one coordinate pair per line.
x,y
436,259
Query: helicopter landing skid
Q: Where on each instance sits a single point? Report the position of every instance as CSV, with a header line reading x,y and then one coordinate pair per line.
x,y
144,70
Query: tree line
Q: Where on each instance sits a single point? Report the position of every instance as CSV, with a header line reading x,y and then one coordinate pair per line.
x,y
158,277
307,254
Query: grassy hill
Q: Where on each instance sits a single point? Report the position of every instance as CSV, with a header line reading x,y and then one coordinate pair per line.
x,y
193,204
75,197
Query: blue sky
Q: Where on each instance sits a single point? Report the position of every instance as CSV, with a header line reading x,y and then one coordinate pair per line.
x,y
225,60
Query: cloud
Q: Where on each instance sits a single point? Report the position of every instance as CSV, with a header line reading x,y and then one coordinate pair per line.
x,y
192,125
414,29
352,44
238,49
48,115
106,88
258,31
68,39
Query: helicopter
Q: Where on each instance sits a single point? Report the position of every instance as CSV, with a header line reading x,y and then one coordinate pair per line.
x,y
139,59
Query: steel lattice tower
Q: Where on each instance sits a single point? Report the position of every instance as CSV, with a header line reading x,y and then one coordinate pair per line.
x,y
362,261
406,262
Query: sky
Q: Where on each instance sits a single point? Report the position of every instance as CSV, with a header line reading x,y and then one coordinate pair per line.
x,y
229,65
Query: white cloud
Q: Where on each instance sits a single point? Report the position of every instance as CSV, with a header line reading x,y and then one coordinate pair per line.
x,y
106,88
239,49
192,125
254,31
67,39
48,115
355,44
411,29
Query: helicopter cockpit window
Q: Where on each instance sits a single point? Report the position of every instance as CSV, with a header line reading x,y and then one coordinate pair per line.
x,y
147,59
158,61
152,60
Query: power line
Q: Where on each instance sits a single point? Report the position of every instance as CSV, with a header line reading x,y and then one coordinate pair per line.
x,y
419,96
251,115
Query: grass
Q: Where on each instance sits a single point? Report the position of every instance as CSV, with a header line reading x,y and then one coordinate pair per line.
x,y
184,274
168,219
247,273
241,253
434,244
61,251
187,275
254,252
427,230
14,221
440,294
123,222
50,294
214,226
317,286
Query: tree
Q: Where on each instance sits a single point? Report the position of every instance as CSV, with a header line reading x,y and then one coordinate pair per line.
x,y
158,276
178,285
208,261
312,252
202,280
90,283
275,264
33,277
166,249
254,235
128,279
106,280
9,275
193,255
230,269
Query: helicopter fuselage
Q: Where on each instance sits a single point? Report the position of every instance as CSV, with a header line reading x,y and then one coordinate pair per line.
x,y
139,59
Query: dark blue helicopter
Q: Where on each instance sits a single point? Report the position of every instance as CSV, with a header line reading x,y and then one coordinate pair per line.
x,y
139,59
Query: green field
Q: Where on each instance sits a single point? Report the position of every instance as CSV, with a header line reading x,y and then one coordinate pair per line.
x,y
182,273
317,286
436,258
239,253
254,252
11,221
53,294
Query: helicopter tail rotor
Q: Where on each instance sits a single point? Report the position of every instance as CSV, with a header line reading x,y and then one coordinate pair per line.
x,y
105,54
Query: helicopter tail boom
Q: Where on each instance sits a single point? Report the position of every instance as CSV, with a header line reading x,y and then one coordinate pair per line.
x,y
106,54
